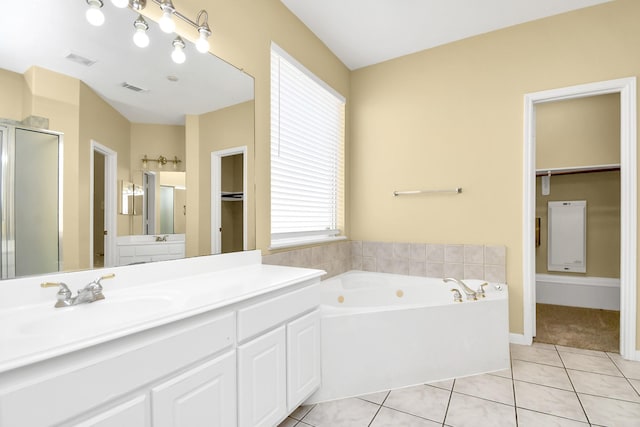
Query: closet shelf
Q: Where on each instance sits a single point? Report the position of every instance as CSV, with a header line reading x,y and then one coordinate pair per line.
x,y
232,196
578,169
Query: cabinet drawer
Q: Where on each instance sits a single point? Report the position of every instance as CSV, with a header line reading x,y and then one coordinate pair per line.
x,y
159,249
88,378
133,412
264,315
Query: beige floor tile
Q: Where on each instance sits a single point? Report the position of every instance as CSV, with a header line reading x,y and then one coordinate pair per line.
x,y
447,384
289,422
505,373
551,376
528,418
636,385
603,385
561,403
301,411
468,411
582,362
629,368
376,398
388,417
611,412
342,413
488,387
595,353
535,354
544,345
424,401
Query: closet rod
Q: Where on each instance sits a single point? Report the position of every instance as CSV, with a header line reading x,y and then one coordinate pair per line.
x,y
457,190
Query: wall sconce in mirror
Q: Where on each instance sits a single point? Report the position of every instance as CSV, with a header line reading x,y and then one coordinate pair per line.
x,y
161,161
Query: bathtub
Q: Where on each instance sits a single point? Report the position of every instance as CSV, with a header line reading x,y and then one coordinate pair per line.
x,y
384,331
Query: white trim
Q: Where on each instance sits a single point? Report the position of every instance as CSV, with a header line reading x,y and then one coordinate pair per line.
x,y
110,203
626,87
578,291
607,282
519,339
306,242
216,196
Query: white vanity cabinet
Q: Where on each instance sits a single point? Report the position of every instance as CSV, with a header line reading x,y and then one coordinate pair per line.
x,y
278,369
249,360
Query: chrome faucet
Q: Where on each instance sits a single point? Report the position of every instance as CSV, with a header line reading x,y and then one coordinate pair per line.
x,y
471,294
90,293
162,238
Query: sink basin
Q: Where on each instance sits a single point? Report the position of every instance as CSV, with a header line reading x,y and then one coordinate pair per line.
x,y
96,316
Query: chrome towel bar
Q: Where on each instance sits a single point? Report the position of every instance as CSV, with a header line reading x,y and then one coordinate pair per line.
x,y
457,190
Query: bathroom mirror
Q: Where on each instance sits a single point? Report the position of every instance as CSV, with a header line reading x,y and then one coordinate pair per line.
x,y
46,71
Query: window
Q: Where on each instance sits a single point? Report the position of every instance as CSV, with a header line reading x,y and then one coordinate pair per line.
x,y
307,140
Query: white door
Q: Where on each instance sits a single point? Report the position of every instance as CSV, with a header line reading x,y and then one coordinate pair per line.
x,y
201,397
303,358
262,380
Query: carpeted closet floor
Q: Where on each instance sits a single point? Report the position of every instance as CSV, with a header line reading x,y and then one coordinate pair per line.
x,y
578,327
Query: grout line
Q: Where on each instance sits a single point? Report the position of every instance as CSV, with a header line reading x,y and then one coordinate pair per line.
x,y
513,388
573,386
375,415
446,411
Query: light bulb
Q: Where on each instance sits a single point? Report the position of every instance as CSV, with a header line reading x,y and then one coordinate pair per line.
x,y
202,44
166,21
140,37
178,55
94,13
120,3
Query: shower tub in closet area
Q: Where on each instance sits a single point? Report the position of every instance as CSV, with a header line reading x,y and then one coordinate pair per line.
x,y
382,331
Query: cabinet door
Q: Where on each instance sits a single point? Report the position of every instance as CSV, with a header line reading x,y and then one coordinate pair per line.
x,y
203,396
262,380
133,412
303,358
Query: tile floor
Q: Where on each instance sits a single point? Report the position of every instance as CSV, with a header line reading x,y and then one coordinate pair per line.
x,y
547,385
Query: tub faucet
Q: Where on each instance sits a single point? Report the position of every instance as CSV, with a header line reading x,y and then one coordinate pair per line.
x,y
471,294
90,293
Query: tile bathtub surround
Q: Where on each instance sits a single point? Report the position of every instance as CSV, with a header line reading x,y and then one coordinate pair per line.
x,y
334,258
486,262
547,385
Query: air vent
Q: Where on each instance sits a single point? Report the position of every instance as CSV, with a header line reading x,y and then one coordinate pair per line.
x,y
133,87
78,59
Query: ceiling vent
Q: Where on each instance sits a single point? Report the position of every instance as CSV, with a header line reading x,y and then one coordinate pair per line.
x,y
133,87
79,59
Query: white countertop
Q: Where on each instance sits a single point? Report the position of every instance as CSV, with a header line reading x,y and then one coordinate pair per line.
x,y
34,332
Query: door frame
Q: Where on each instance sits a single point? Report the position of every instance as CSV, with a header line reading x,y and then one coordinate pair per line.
x,y
626,87
110,202
216,194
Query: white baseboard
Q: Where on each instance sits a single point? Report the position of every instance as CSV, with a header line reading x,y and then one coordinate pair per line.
x,y
577,291
519,339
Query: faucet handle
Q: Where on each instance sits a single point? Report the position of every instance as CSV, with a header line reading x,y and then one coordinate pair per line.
x,y
480,292
457,296
64,293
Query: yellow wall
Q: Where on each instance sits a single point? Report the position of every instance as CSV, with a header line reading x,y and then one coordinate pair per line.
x,y
453,116
601,190
219,130
578,132
11,87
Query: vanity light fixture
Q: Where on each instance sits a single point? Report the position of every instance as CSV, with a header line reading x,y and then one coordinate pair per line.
x,y
202,44
120,3
166,21
94,13
138,5
161,161
178,55
140,37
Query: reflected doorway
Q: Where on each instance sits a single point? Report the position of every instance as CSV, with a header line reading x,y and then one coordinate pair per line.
x,y
228,200
103,189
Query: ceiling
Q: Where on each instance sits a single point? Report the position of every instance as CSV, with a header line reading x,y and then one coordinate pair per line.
x,y
366,32
44,32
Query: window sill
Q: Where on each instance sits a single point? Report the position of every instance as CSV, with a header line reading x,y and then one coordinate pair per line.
x,y
306,242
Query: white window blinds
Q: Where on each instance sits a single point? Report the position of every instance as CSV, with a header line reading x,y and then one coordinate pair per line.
x,y
307,138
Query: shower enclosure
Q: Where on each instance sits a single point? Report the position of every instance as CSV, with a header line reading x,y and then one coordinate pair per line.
x,y
31,199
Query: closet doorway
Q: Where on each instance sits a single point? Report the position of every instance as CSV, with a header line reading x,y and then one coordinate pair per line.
x,y
623,92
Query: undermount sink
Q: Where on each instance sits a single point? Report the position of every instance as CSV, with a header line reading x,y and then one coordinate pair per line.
x,y
95,316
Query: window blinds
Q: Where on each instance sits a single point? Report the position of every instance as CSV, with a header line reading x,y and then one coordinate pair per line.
x,y
307,137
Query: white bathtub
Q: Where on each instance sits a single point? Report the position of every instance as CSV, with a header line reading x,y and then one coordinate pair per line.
x,y
383,331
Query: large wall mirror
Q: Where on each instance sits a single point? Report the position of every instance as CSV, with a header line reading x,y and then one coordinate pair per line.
x,y
124,115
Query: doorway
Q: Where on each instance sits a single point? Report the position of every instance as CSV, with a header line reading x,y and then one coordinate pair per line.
x,y
626,88
102,233
229,200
